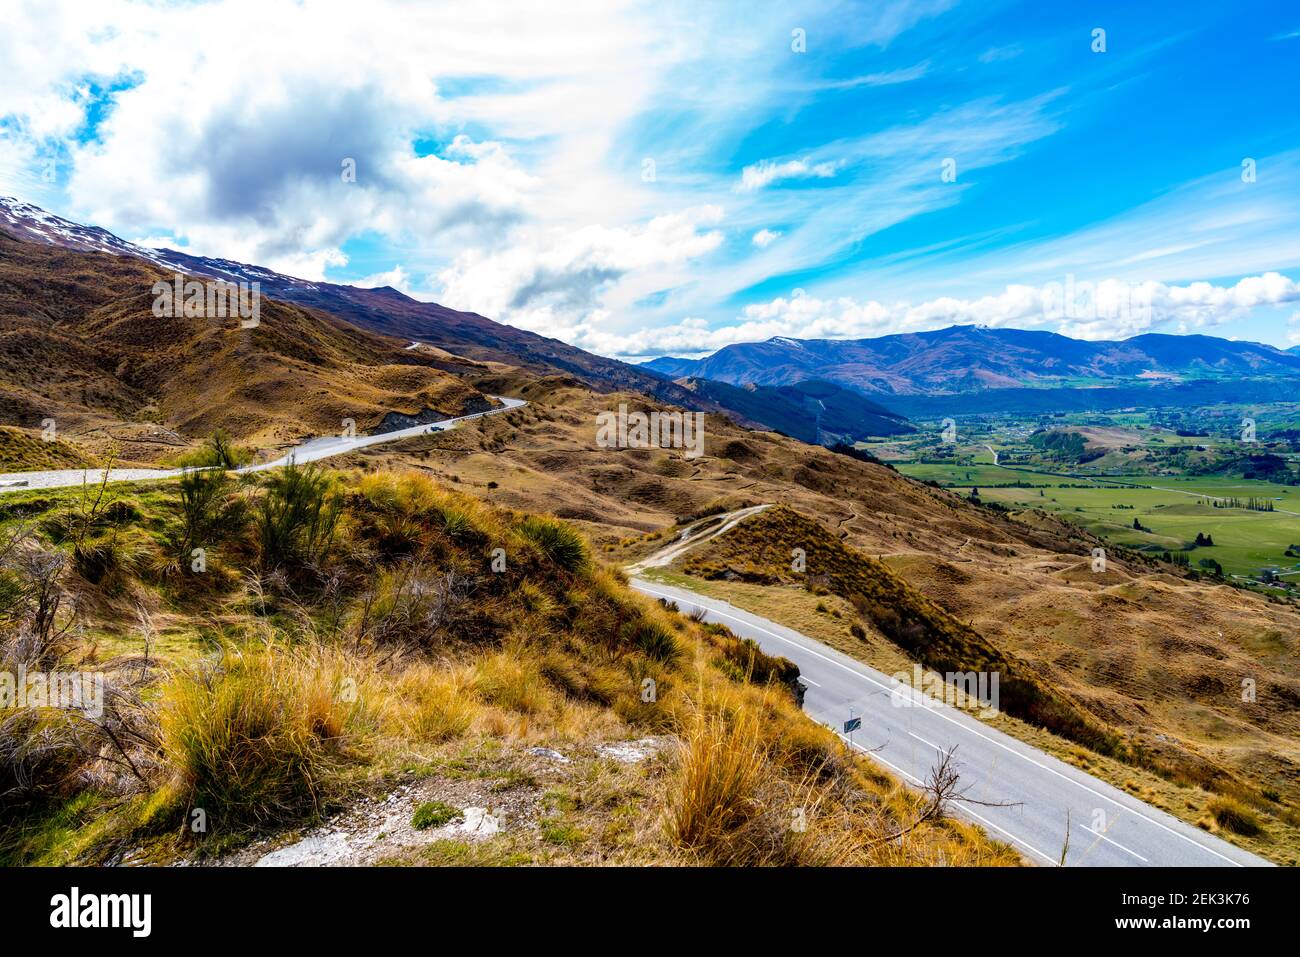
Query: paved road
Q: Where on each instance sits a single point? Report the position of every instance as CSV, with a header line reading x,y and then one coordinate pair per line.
x,y
1028,796
905,732
313,450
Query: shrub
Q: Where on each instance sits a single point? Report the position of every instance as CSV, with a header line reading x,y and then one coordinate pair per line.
x,y
1234,816
558,541
210,513
218,452
415,605
298,517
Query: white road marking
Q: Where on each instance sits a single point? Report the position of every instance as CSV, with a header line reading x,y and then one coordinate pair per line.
x,y
977,733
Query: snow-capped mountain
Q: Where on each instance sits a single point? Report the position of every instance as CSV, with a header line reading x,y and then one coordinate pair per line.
x,y
33,223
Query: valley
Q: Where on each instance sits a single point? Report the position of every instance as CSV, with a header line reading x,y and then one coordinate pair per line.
x,y
920,552
1176,483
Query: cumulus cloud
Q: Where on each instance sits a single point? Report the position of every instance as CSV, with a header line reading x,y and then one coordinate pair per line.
x,y
241,154
397,277
550,277
1108,309
498,150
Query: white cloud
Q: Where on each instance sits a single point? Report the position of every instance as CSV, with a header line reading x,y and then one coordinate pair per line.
x,y
1107,309
767,172
529,205
994,54
549,277
883,78
397,277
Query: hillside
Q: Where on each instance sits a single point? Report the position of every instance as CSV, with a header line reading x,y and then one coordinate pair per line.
x,y
1144,649
963,359
419,678
456,341
820,413
1137,670
79,344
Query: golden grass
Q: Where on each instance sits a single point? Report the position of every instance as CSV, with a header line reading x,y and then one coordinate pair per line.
x,y
253,740
298,712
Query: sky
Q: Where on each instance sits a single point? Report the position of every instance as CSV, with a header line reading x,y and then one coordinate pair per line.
x,y
651,178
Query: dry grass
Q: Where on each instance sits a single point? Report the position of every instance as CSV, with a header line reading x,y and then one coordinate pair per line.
x,y
302,707
1158,658
254,740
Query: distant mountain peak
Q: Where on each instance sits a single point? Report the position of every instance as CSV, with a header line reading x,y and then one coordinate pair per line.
x,y
786,341
975,358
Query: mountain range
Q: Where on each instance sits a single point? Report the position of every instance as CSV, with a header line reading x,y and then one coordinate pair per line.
x,y
963,359
406,331
1148,649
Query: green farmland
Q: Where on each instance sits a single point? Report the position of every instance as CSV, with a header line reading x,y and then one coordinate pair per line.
x,y
1174,510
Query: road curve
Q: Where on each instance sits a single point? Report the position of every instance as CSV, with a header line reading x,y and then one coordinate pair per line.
x,y
1029,795
313,450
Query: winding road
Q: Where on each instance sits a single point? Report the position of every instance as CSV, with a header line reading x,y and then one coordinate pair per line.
x,y
1017,793
313,450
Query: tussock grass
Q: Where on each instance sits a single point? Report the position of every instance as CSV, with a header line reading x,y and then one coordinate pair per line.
x,y
253,741
715,795
1232,815
560,543
346,660
513,681
654,640
432,703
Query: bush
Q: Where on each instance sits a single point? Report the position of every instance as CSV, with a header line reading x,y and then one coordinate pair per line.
x,y
298,517
415,605
254,741
210,513
1234,816
559,542
218,452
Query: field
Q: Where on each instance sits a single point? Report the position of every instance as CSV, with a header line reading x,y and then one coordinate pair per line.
x,y
1174,509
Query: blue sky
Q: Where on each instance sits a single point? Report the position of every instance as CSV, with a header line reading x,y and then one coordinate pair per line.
x,y
649,178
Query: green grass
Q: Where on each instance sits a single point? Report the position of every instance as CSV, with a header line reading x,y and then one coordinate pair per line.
x,y
976,475
1244,541
1174,510
433,814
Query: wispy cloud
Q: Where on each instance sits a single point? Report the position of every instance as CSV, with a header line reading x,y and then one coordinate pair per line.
x,y
767,172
